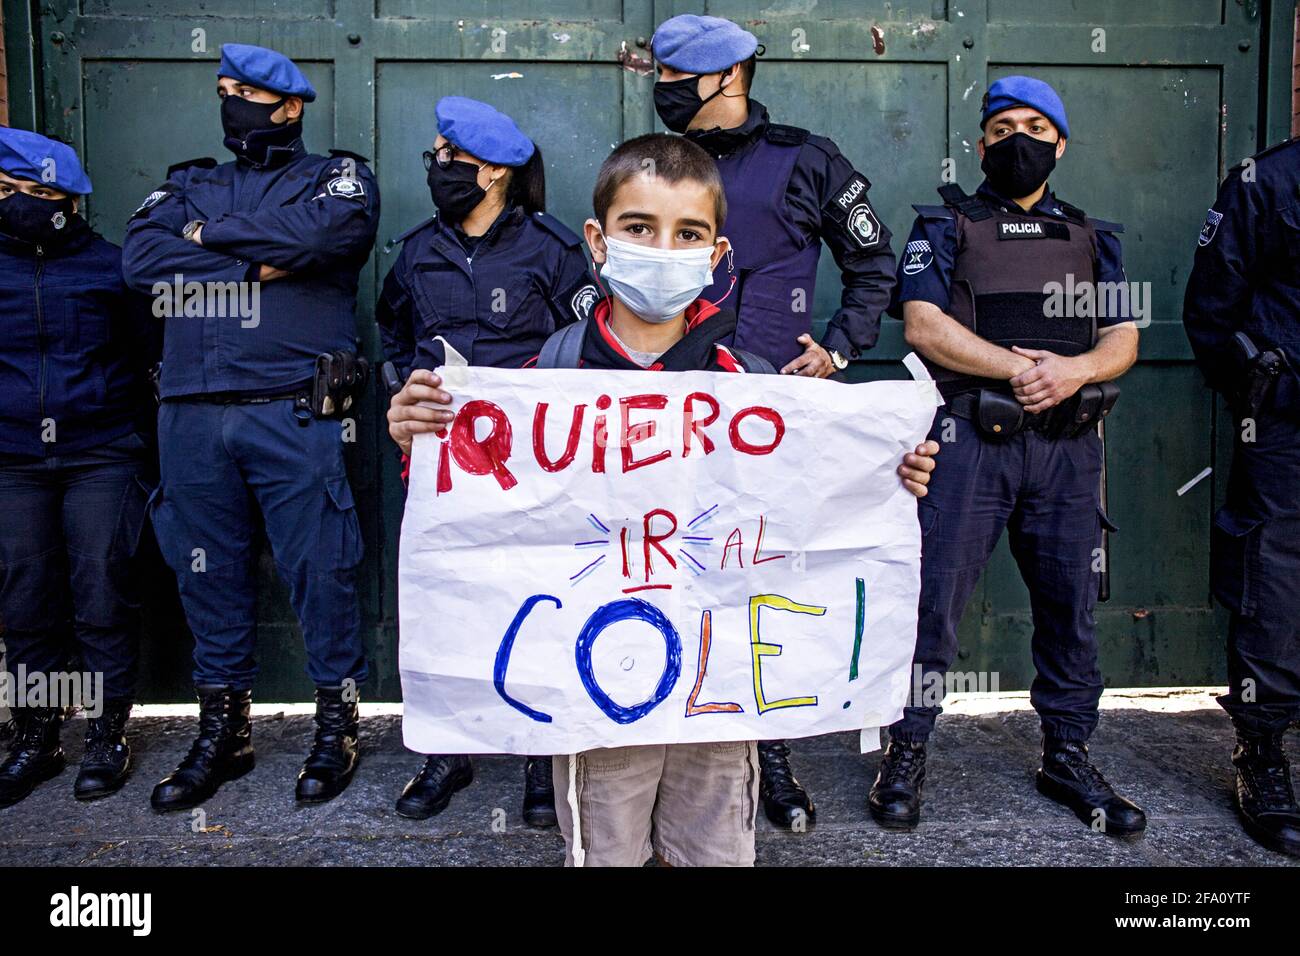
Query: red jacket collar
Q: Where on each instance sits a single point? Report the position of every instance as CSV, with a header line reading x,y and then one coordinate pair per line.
x,y
696,312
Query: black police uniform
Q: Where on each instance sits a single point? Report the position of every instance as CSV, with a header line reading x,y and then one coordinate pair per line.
x,y
77,461
1246,281
787,191
983,256
316,217
237,432
494,298
989,264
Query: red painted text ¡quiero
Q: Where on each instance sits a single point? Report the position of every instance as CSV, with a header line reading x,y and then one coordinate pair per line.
x,y
622,429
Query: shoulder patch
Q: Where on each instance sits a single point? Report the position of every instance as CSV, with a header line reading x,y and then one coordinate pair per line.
x,y
1105,225
584,301
557,229
349,154
151,200
346,187
203,162
1209,227
784,135
849,207
917,257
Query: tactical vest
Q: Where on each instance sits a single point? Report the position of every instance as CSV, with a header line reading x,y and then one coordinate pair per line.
x,y
1012,279
771,257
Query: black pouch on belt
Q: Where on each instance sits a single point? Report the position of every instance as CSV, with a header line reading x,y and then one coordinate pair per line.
x,y
998,415
339,380
1090,405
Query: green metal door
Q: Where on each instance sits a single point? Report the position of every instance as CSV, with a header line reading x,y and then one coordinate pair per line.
x,y
1161,103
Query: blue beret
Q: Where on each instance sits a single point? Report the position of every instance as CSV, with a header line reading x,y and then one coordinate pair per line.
x,y
482,130
265,69
28,155
693,44
1012,91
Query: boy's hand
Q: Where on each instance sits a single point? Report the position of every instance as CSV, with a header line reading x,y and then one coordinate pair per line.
x,y
815,361
407,418
916,467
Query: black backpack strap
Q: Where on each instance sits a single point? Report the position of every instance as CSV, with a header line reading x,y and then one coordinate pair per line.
x,y
752,363
564,347
972,207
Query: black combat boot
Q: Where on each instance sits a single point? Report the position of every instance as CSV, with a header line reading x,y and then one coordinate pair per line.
x,y
222,752
107,760
1265,795
895,798
35,754
430,790
1068,777
785,801
334,755
539,793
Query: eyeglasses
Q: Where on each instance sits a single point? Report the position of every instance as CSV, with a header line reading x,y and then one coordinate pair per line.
x,y
444,156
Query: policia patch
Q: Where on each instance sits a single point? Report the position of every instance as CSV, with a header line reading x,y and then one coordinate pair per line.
x,y
1032,229
346,187
849,207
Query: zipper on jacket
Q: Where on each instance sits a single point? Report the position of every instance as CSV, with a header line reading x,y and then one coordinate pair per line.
x,y
40,331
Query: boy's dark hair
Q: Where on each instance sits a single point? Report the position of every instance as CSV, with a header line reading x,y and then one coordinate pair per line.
x,y
672,158
527,187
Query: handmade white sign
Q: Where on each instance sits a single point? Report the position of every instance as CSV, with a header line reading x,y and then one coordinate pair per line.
x,y
597,559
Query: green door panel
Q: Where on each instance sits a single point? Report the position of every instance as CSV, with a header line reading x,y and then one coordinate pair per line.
x,y
124,101
1167,98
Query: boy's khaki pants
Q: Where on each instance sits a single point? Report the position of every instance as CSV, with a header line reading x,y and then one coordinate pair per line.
x,y
687,804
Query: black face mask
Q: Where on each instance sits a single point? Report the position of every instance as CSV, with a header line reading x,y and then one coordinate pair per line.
x,y
250,133
1019,164
45,222
455,190
677,102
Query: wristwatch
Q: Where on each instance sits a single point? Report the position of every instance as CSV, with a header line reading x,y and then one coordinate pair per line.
x,y
838,360
191,227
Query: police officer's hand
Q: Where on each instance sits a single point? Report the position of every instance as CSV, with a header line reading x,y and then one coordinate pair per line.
x,y
1052,380
267,273
815,361
916,467
407,418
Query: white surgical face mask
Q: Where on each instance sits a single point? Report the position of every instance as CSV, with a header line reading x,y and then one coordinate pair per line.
x,y
656,284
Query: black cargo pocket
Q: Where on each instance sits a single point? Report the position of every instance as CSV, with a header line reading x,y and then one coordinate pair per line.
x,y
157,511
515,307
340,530
131,517
927,515
1234,560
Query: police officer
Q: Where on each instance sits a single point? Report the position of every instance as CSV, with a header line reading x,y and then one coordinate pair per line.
x,y
247,399
787,192
492,276
77,461
1241,314
982,284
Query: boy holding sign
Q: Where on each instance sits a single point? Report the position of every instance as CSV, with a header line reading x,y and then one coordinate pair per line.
x,y
659,205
